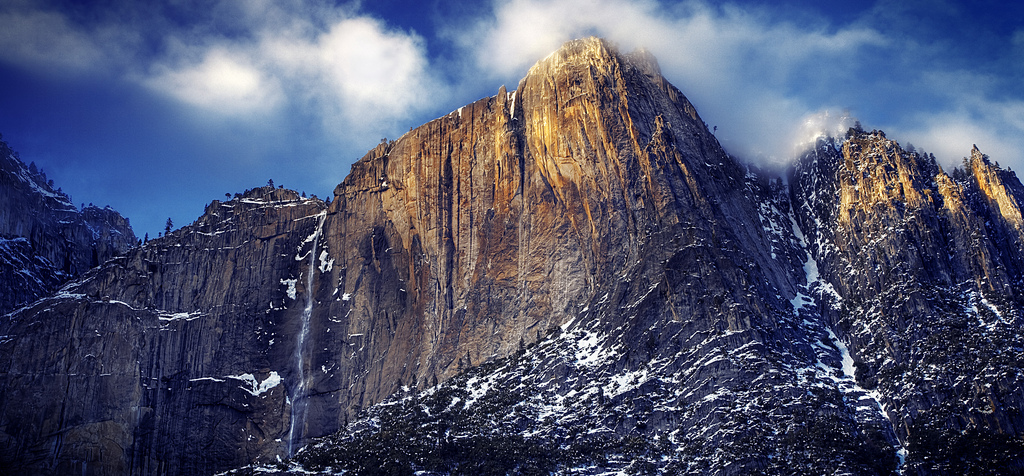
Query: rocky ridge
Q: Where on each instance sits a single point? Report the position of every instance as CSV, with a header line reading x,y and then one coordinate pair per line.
x,y
575,270
921,276
44,239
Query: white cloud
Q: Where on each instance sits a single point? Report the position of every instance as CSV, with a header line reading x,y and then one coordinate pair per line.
x,y
523,31
951,137
825,123
351,71
373,66
225,82
371,72
997,130
243,60
975,111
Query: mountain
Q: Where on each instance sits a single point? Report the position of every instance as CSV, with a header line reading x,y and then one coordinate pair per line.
x,y
571,277
44,239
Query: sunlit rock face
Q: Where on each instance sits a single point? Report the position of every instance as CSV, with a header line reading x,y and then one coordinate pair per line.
x,y
659,300
45,240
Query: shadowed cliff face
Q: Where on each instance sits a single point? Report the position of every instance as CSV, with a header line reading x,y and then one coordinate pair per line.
x,y
44,239
172,359
675,294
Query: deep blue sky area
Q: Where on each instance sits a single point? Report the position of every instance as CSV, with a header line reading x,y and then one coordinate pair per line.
x,y
157,108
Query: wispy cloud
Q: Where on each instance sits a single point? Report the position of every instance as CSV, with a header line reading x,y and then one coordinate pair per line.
x,y
996,127
340,78
48,41
760,73
237,59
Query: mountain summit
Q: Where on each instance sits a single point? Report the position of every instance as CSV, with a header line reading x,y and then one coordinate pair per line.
x,y
572,277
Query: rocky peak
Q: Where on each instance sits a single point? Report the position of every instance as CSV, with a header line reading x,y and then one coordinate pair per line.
x,y
999,187
22,186
910,241
885,192
598,53
879,173
486,196
453,245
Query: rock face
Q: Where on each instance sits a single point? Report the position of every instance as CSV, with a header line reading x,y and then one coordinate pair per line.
x,y
152,358
576,268
44,239
924,274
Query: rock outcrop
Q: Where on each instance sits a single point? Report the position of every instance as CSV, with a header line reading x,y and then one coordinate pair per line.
x,y
922,277
44,239
571,268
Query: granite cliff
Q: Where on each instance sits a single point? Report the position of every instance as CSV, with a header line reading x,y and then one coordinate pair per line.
x,y
570,277
44,239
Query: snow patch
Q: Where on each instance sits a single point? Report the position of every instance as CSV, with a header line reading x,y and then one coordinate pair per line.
x,y
291,287
326,262
179,316
256,388
211,379
588,350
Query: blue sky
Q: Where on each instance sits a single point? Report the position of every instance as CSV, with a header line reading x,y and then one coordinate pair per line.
x,y
157,108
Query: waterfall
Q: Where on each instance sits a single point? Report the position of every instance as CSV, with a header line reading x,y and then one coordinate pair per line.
x,y
298,393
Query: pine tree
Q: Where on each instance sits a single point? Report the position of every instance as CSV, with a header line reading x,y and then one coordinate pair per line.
x,y
168,226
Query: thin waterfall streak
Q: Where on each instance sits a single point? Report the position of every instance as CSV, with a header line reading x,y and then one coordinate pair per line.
x,y
298,400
